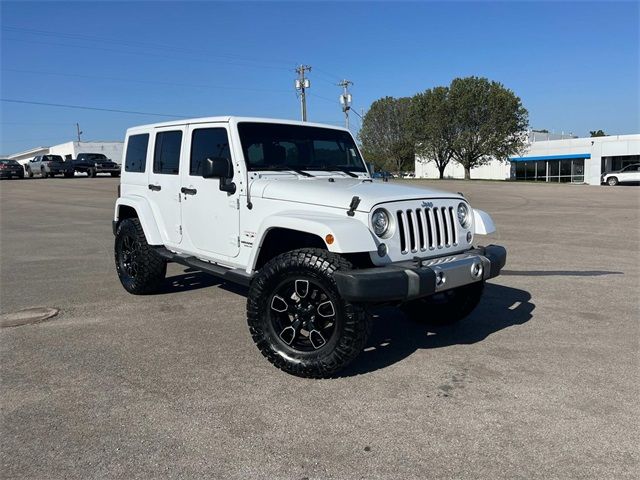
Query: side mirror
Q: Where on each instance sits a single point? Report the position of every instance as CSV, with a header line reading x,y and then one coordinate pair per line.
x,y
222,168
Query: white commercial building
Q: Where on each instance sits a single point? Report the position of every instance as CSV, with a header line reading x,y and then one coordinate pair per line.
x,y
576,160
112,150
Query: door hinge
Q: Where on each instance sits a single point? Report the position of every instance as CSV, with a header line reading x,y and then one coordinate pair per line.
x,y
180,229
237,241
238,203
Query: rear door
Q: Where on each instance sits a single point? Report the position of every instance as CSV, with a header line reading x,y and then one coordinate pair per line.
x,y
164,182
210,217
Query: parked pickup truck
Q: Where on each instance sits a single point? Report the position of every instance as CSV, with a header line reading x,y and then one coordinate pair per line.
x,y
94,163
289,210
49,166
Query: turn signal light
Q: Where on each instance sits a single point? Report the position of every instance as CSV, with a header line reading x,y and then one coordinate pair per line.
x,y
329,239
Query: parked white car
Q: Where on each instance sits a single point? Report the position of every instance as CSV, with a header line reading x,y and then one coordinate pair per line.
x,y
629,174
290,210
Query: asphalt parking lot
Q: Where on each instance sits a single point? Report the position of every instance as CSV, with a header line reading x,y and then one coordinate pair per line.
x,y
541,381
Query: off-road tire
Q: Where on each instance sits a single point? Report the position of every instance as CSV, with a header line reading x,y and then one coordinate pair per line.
x,y
351,322
447,307
150,268
612,181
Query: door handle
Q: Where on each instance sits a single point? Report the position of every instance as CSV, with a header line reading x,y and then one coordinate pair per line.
x,y
155,188
188,191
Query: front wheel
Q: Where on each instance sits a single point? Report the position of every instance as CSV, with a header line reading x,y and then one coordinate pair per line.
x,y
297,318
30,173
446,307
92,173
612,181
115,174
44,173
140,269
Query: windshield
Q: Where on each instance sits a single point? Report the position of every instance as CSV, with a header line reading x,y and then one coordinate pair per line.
x,y
270,146
94,156
52,158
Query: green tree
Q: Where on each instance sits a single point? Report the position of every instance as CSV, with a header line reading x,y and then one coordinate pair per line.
x,y
597,133
431,126
384,135
488,122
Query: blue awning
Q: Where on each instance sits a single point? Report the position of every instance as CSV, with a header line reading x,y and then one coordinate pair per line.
x,y
550,157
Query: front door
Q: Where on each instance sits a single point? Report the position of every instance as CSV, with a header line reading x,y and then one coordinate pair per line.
x,y
210,217
164,182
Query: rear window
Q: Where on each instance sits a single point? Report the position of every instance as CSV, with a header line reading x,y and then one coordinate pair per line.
x,y
9,162
136,157
52,158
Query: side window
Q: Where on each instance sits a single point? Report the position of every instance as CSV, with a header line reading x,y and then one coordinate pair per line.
x,y
136,153
166,156
207,143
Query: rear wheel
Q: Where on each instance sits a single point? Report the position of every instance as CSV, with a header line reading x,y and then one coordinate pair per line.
x,y
297,318
612,181
446,307
68,175
140,269
93,173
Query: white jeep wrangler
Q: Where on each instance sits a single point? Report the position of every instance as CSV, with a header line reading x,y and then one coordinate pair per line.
x,y
289,210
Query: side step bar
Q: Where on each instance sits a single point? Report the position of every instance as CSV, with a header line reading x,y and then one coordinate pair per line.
x,y
233,275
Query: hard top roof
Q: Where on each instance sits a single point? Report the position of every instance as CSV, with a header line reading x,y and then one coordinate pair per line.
x,y
233,119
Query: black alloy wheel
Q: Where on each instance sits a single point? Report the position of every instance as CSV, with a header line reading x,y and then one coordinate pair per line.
x,y
140,268
297,317
302,314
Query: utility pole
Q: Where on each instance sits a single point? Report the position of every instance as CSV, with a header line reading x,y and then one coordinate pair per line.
x,y
78,131
302,84
345,100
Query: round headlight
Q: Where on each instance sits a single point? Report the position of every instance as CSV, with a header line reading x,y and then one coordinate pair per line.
x,y
463,215
380,222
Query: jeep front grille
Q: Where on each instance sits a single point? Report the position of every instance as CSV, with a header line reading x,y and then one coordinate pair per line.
x,y
424,229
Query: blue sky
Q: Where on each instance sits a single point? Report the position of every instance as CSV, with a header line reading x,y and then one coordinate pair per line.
x,y
575,65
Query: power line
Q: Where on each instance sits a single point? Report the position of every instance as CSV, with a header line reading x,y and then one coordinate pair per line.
x,y
322,98
198,58
136,44
130,80
83,107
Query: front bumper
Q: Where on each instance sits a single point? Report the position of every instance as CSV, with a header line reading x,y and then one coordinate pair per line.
x,y
417,278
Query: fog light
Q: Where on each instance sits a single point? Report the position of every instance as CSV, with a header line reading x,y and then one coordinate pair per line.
x,y
382,250
469,237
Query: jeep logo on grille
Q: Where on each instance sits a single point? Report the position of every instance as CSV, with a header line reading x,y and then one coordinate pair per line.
x,y
427,204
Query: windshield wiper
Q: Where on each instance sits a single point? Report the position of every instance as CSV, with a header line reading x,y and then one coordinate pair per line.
x,y
282,168
340,169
